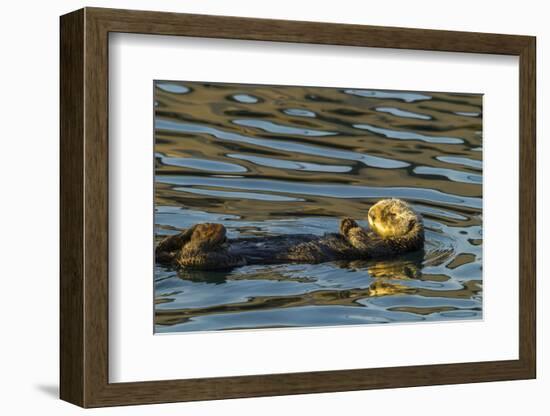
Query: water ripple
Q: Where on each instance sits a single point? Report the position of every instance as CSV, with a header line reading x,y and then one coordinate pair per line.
x,y
299,112
451,174
201,164
323,189
286,146
407,97
459,160
402,113
239,195
173,88
408,135
467,114
281,129
289,164
245,98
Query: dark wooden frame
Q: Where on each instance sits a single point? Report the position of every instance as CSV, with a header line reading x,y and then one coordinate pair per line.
x,y
84,207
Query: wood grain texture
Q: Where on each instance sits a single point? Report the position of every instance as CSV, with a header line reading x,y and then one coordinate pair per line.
x,y
96,208
84,207
71,100
528,208
226,27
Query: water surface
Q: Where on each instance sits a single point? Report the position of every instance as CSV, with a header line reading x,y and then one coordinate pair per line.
x,y
271,160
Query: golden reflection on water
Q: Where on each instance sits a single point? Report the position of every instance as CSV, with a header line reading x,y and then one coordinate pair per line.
x,y
267,160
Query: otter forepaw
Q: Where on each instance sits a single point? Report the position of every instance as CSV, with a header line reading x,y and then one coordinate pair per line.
x,y
207,236
354,234
347,224
174,242
168,247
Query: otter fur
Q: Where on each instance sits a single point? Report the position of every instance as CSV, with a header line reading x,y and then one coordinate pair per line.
x,y
395,228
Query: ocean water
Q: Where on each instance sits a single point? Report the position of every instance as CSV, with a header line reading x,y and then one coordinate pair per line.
x,y
271,160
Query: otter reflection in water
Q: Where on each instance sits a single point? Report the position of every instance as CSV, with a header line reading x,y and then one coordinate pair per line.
x,y
395,228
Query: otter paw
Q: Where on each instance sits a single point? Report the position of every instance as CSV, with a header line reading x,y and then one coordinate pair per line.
x,y
347,224
208,236
175,242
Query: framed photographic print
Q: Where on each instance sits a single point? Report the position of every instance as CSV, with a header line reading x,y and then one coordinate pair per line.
x,y
256,207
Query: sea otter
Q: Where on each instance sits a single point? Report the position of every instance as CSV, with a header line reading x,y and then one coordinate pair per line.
x,y
395,228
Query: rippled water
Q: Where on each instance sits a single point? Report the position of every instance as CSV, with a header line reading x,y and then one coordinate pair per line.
x,y
271,160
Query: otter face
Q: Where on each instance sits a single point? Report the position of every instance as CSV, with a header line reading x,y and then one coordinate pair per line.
x,y
391,218
207,236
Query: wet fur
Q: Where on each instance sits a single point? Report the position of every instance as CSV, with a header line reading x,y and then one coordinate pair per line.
x,y
394,229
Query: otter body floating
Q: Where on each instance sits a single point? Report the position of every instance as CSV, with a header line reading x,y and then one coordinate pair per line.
x,y
395,228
